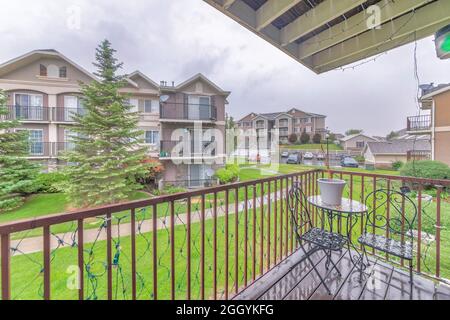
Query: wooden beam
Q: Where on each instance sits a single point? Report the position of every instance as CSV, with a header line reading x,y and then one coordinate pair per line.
x,y
424,22
355,25
317,17
271,10
228,3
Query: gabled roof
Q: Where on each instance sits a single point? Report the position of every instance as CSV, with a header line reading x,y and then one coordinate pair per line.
x,y
397,146
434,91
35,55
356,135
143,76
200,76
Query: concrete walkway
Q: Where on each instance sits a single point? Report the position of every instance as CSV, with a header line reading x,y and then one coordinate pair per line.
x,y
35,244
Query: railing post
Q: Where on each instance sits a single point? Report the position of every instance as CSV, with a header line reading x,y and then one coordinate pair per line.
x,y
438,231
47,249
6,263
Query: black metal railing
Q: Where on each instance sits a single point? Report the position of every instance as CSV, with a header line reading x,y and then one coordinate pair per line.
x,y
419,123
169,148
186,111
28,113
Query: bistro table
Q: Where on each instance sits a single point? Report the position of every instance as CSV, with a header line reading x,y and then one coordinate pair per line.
x,y
350,211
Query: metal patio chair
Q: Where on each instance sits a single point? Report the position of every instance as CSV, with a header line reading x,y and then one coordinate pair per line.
x,y
389,225
319,239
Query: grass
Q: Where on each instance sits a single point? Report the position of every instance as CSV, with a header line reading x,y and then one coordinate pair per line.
x,y
311,146
26,269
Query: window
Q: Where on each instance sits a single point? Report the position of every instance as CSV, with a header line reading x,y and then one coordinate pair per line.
x,y
42,70
151,106
360,144
29,106
36,144
151,137
52,71
134,103
63,72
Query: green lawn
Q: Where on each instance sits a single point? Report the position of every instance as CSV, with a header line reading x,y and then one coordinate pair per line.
x,y
312,146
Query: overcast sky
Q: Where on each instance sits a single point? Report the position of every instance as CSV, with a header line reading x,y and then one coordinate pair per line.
x,y
175,39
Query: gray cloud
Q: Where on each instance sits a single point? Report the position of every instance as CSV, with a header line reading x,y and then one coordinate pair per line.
x,y
174,39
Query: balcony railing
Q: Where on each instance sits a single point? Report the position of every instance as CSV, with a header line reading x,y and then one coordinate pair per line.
x,y
419,123
168,147
63,114
28,113
205,244
181,111
416,155
191,183
40,149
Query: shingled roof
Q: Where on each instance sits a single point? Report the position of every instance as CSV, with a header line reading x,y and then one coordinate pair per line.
x,y
398,146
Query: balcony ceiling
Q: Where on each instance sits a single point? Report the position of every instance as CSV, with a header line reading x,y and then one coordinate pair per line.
x,y
327,34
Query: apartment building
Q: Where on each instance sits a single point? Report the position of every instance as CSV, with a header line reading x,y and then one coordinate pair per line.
x,y
43,88
289,122
435,120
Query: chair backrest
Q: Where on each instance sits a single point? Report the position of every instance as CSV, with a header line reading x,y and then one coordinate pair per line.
x,y
391,213
298,209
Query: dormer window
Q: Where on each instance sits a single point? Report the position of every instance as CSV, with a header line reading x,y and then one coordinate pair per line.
x,y
52,71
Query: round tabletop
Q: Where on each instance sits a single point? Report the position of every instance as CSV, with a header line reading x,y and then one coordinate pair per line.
x,y
347,206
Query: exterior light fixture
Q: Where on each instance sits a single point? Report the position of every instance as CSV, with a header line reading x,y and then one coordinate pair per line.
x,y
443,43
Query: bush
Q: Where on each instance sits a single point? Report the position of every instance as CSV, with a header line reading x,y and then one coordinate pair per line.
x,y
304,138
50,182
360,159
293,138
228,174
317,138
426,169
11,204
397,165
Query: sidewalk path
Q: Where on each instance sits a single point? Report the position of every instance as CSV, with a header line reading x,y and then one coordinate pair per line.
x,y
35,244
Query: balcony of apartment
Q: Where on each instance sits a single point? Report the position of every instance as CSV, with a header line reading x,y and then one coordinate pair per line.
x,y
170,149
38,149
234,241
28,113
186,112
64,114
417,155
419,124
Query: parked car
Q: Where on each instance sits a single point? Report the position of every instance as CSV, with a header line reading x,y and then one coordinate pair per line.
x,y
285,154
320,156
294,159
308,156
349,163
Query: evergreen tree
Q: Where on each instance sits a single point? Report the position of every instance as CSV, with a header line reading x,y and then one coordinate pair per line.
x,y
109,152
17,173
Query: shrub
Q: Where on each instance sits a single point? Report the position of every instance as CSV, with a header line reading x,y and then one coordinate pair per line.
x,y
360,159
304,138
51,182
293,138
11,204
426,169
228,174
317,138
397,165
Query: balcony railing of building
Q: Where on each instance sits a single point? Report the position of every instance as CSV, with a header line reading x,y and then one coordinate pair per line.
x,y
191,183
204,244
416,155
186,111
40,149
203,148
419,123
28,113
63,114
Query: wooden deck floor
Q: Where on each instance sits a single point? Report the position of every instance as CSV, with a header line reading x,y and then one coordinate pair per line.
x,y
295,279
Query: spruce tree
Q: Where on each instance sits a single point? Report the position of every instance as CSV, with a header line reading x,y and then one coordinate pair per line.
x,y
108,153
17,173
